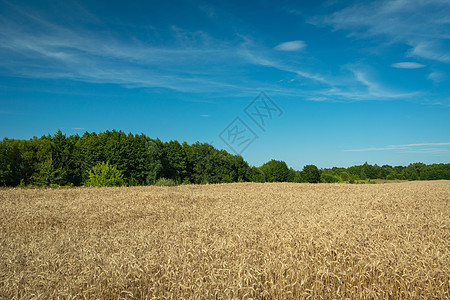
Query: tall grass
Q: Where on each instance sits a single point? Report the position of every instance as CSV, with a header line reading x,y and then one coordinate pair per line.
x,y
246,240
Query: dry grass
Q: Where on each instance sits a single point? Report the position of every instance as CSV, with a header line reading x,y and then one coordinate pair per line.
x,y
243,240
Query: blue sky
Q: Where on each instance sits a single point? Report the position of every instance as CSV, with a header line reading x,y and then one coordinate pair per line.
x,y
355,81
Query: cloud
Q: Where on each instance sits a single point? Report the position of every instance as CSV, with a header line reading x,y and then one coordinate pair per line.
x,y
376,90
291,46
434,151
261,59
33,46
408,65
317,99
431,50
422,25
406,148
293,11
358,87
208,10
436,76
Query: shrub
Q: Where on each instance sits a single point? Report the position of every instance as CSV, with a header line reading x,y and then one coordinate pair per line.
x,y
165,182
328,178
133,182
345,176
22,183
104,174
227,179
390,177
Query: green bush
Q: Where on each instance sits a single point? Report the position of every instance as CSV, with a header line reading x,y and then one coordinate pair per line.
x,y
165,182
328,178
345,176
133,182
390,177
104,174
227,179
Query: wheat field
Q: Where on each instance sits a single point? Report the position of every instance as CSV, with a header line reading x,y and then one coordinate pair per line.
x,y
227,241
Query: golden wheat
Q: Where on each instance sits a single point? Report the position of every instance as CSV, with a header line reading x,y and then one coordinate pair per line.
x,y
243,240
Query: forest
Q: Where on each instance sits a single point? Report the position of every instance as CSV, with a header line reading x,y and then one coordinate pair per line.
x,y
114,158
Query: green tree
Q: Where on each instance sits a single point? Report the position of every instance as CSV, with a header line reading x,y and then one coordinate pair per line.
x,y
291,175
275,171
435,171
23,158
61,159
311,174
236,167
174,161
45,173
298,177
204,163
345,176
355,171
387,169
154,164
5,164
413,171
138,158
399,172
257,175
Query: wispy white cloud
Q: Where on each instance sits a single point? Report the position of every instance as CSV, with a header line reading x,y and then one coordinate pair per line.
x,y
434,50
433,151
376,90
263,59
39,48
407,65
291,46
193,61
423,25
407,148
293,11
436,76
317,99
359,86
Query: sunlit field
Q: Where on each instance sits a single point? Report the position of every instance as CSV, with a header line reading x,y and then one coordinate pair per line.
x,y
243,240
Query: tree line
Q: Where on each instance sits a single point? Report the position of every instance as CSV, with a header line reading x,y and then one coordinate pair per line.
x,y
132,159
414,171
